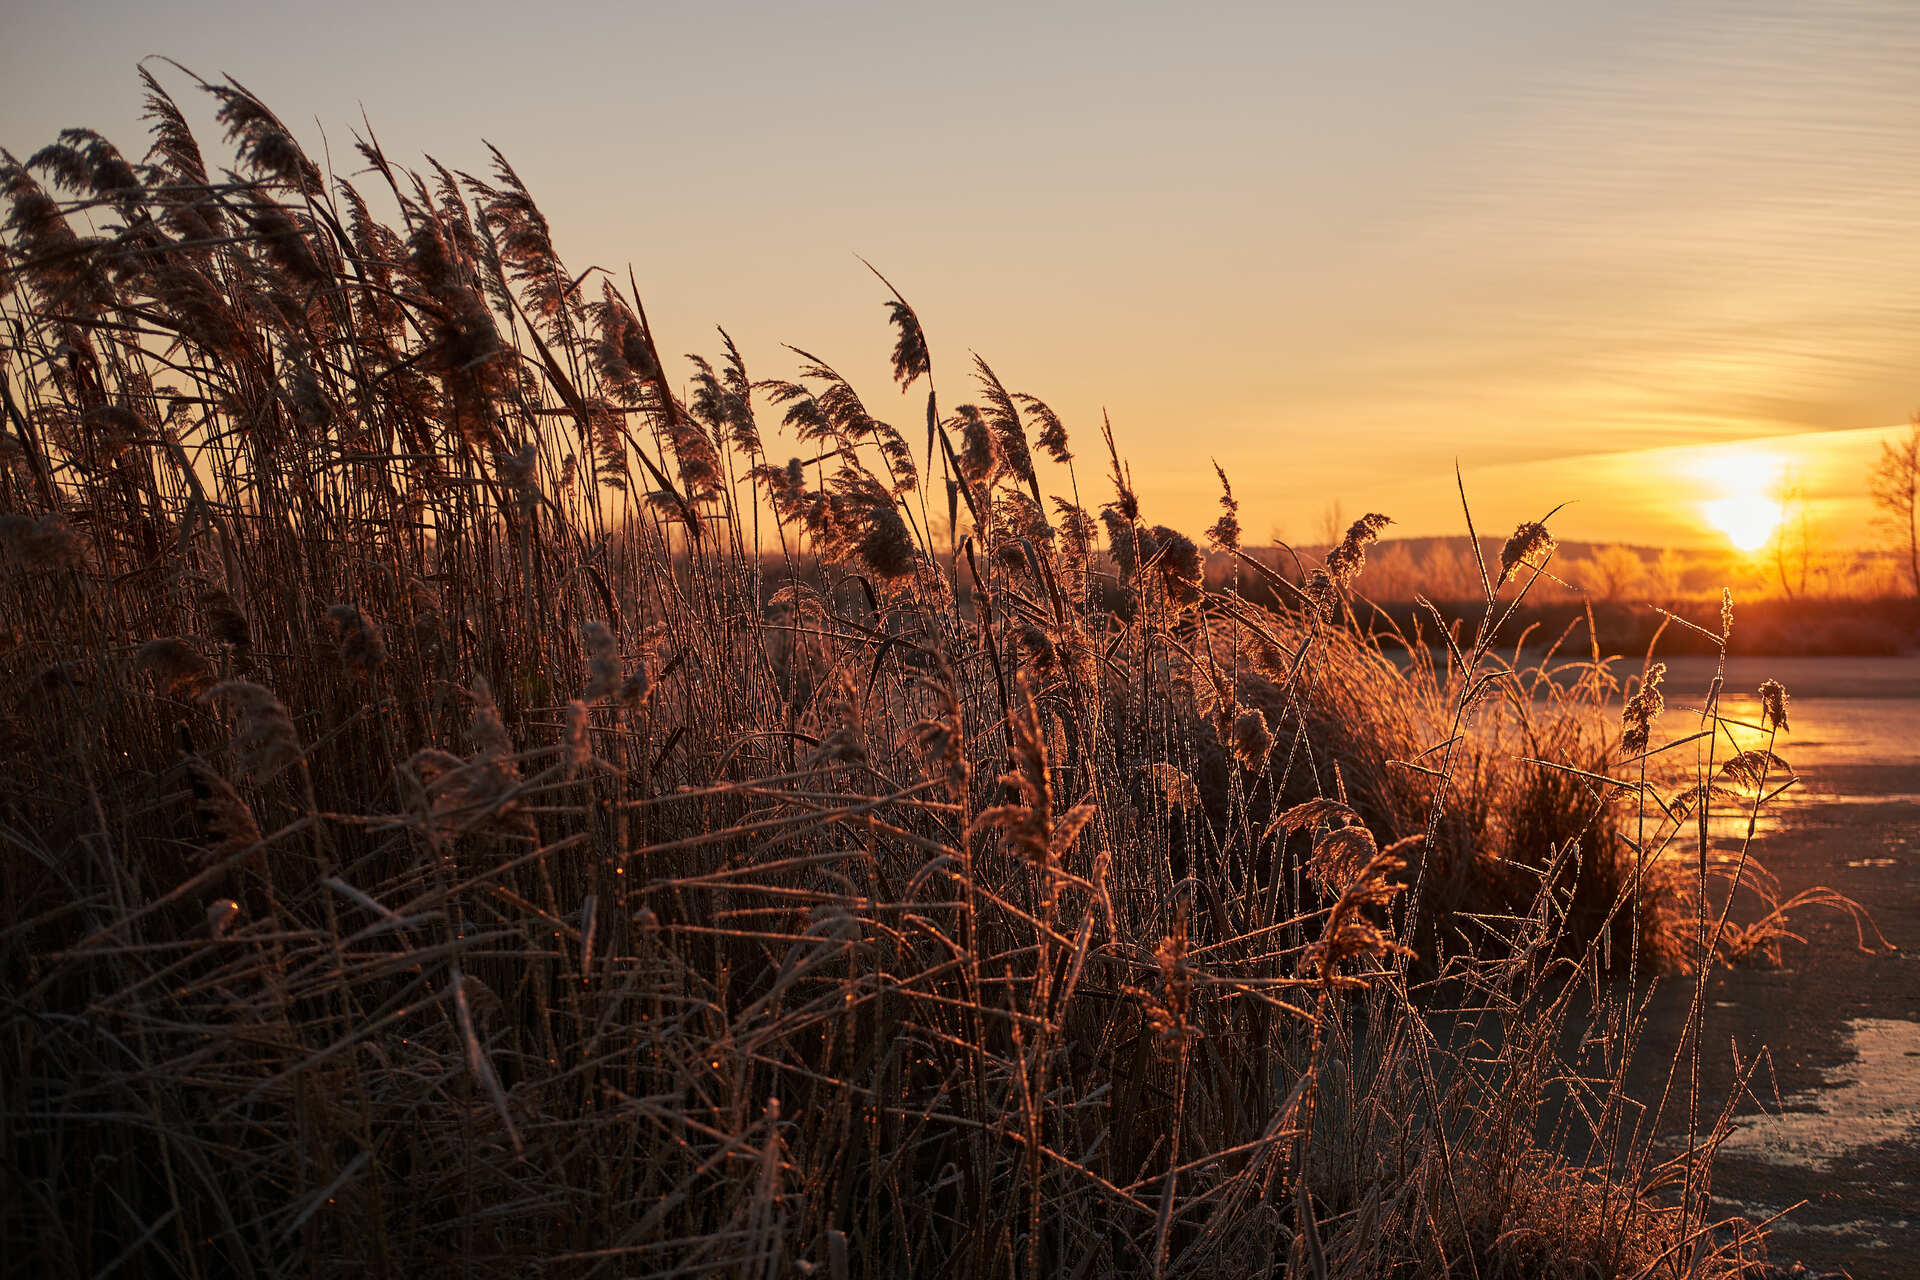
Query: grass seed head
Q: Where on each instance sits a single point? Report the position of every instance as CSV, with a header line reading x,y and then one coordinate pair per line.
x,y
1053,433
1039,648
1350,935
603,661
46,544
176,663
1641,710
266,742
1345,561
1322,591
1179,563
228,819
222,617
1225,532
943,740
886,547
1773,704
362,647
576,744
1252,739
911,360
490,738
1530,545
425,604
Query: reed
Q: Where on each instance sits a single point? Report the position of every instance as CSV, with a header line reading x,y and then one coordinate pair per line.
x,y
468,805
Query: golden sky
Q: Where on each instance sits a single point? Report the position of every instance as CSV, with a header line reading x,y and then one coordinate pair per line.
x,y
1336,248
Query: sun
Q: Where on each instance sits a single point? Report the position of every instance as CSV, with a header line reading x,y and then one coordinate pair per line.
x,y
1751,511
1748,520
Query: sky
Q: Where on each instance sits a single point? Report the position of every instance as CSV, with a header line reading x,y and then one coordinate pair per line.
x,y
1337,248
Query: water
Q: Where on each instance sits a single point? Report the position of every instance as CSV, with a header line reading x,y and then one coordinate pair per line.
x,y
1853,735
1858,1103
1843,711
1833,1116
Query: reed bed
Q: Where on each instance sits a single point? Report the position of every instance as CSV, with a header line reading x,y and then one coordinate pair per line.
x,y
469,805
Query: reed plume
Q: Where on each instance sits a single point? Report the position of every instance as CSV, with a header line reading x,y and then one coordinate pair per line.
x,y
266,741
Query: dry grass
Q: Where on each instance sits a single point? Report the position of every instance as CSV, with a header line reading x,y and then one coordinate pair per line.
x,y
436,836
